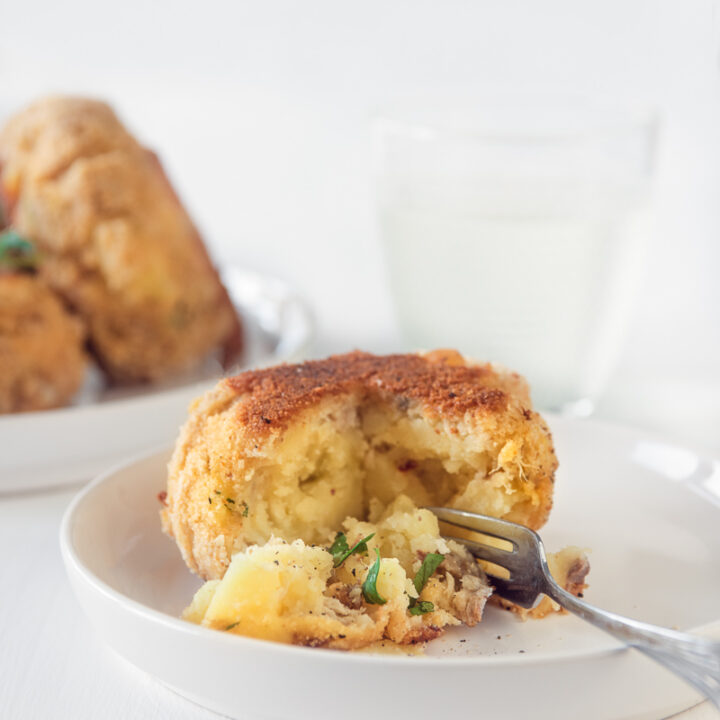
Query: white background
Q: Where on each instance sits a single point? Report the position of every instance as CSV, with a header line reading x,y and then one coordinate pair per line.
x,y
261,112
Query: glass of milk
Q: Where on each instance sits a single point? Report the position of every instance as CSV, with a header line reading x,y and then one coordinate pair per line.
x,y
513,231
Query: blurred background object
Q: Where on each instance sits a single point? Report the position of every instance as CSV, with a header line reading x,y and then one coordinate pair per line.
x,y
263,115
512,226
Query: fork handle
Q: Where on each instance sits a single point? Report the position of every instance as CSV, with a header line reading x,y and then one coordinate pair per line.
x,y
695,659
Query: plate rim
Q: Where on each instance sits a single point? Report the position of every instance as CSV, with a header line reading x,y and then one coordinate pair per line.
x,y
73,564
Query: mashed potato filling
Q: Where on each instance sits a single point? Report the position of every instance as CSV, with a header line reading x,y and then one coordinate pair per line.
x,y
294,592
345,457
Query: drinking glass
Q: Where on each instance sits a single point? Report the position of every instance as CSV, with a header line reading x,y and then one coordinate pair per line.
x,y
513,230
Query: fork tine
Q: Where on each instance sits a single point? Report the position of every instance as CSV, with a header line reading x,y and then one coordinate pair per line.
x,y
501,529
500,557
525,561
526,595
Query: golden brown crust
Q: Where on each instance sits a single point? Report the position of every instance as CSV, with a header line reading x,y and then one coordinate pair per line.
x,y
115,240
42,361
233,343
272,397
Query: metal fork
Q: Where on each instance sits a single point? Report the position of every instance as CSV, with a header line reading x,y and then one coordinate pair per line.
x,y
695,659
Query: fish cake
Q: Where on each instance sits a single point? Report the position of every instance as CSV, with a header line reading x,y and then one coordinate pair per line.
x,y
116,242
42,356
292,451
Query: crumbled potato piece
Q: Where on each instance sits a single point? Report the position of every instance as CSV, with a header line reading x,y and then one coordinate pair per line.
x,y
290,592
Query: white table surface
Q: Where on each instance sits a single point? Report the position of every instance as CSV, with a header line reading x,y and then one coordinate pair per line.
x,y
51,663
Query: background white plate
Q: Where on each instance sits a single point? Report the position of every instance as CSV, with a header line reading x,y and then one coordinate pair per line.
x,y
106,425
648,511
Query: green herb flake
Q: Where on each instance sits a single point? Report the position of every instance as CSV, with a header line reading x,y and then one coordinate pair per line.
x,y
234,507
232,625
17,253
341,551
420,607
429,565
369,587
338,549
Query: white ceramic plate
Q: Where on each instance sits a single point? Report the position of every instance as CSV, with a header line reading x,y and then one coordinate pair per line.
x,y
648,511
107,425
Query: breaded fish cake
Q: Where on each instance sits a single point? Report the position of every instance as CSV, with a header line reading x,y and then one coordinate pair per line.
x,y
116,242
42,360
292,451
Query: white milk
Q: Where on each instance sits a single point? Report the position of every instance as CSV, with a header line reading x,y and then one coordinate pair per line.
x,y
533,273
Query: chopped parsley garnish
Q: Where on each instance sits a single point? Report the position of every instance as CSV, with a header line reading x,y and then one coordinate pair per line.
x,y
341,551
232,625
369,589
420,607
232,506
17,253
429,565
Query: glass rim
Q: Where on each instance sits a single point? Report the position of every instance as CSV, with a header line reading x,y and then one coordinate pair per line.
x,y
428,119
